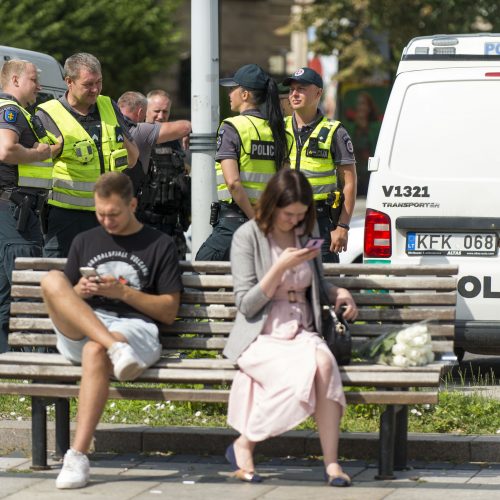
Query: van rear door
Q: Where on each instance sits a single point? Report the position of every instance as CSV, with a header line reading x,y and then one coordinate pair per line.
x,y
436,188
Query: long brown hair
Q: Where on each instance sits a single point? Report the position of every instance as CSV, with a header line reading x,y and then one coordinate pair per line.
x,y
284,188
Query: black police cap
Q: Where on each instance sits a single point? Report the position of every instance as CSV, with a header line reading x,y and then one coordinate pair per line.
x,y
305,75
250,76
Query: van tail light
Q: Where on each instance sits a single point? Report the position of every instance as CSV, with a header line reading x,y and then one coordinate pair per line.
x,y
377,234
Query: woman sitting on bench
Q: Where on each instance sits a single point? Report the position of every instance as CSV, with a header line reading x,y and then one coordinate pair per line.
x,y
287,372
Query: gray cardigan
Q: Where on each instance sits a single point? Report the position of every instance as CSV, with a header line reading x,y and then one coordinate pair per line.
x,y
250,260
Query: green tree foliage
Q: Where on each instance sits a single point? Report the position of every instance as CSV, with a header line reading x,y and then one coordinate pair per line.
x,y
133,39
353,28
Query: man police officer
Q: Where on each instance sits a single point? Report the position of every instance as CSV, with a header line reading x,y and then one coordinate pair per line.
x,y
133,106
25,175
323,151
165,200
95,140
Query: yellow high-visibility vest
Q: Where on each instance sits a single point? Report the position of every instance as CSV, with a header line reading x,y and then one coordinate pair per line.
x,y
315,160
78,166
256,162
37,174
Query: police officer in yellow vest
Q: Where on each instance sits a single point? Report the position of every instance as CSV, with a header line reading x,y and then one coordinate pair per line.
x,y
322,150
25,175
95,140
251,147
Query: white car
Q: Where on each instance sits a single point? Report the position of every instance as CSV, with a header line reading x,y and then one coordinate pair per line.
x,y
355,243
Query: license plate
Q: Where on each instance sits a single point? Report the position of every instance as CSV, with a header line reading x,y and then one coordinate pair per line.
x,y
453,244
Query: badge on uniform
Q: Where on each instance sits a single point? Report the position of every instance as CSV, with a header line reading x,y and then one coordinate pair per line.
x,y
119,134
10,115
219,139
348,144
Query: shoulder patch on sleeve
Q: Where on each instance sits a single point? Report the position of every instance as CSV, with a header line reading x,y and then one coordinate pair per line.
x,y
348,144
219,138
10,114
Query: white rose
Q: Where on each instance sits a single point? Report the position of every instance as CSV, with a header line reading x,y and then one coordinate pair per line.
x,y
413,354
398,349
422,360
419,340
400,361
430,357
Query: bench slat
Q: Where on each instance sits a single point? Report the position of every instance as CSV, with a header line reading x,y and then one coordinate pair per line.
x,y
220,311
187,376
209,395
352,283
224,267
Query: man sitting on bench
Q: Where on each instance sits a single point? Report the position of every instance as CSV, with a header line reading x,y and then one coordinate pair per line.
x,y
120,279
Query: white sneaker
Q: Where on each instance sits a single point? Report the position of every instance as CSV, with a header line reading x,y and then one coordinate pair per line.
x,y
75,471
126,364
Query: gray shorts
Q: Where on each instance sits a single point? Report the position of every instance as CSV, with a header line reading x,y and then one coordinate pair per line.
x,y
141,335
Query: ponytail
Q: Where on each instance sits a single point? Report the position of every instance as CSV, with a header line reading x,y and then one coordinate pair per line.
x,y
276,123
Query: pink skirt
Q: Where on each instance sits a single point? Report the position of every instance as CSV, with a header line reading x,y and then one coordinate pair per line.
x,y
274,390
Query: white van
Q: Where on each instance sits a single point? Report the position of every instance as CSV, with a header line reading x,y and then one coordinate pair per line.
x,y
434,190
51,72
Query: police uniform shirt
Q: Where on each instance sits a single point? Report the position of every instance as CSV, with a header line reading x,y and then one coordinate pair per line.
x,y
145,136
91,122
12,118
341,148
228,140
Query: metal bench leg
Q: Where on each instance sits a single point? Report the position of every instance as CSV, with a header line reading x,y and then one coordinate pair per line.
x,y
401,441
38,433
62,427
386,443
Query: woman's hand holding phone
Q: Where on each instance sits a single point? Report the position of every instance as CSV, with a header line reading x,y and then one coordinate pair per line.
x,y
314,243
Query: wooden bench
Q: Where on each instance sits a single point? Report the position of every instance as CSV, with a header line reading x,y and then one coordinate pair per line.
x,y
389,297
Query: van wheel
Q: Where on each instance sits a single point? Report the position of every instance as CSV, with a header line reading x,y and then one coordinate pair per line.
x,y
459,353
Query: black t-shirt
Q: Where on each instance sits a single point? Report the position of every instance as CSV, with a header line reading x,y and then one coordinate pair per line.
x,y
146,260
12,118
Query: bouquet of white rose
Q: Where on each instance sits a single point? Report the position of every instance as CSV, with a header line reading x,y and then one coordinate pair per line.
x,y
408,347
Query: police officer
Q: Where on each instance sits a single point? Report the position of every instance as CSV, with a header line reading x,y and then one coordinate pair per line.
x,y
133,106
323,151
165,200
95,140
251,147
25,174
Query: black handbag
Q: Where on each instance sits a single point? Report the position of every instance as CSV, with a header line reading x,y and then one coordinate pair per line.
x,y
335,329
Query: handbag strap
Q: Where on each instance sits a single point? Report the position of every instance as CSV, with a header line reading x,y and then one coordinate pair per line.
x,y
323,294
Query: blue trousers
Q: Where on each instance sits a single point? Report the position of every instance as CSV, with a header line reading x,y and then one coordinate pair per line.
x,y
14,243
324,229
218,245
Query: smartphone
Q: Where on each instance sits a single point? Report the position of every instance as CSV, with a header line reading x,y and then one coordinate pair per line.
x,y
88,272
314,243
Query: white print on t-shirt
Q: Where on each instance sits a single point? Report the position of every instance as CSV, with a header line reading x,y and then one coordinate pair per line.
x,y
127,267
121,271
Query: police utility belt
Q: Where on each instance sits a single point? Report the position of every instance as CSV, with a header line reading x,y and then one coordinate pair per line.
x,y
25,202
331,207
224,210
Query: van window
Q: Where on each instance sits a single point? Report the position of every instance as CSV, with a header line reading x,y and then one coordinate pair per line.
x,y
448,129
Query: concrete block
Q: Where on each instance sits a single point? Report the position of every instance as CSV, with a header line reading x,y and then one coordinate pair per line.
x,y
439,447
119,439
201,440
485,449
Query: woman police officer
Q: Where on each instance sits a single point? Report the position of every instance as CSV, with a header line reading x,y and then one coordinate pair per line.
x,y
251,147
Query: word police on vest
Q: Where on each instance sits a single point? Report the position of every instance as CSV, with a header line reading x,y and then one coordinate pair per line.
x,y
262,150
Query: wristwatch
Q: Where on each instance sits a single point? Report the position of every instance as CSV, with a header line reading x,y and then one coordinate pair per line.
x,y
345,226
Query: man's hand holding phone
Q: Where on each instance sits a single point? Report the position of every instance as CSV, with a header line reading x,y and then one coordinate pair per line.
x,y
90,273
